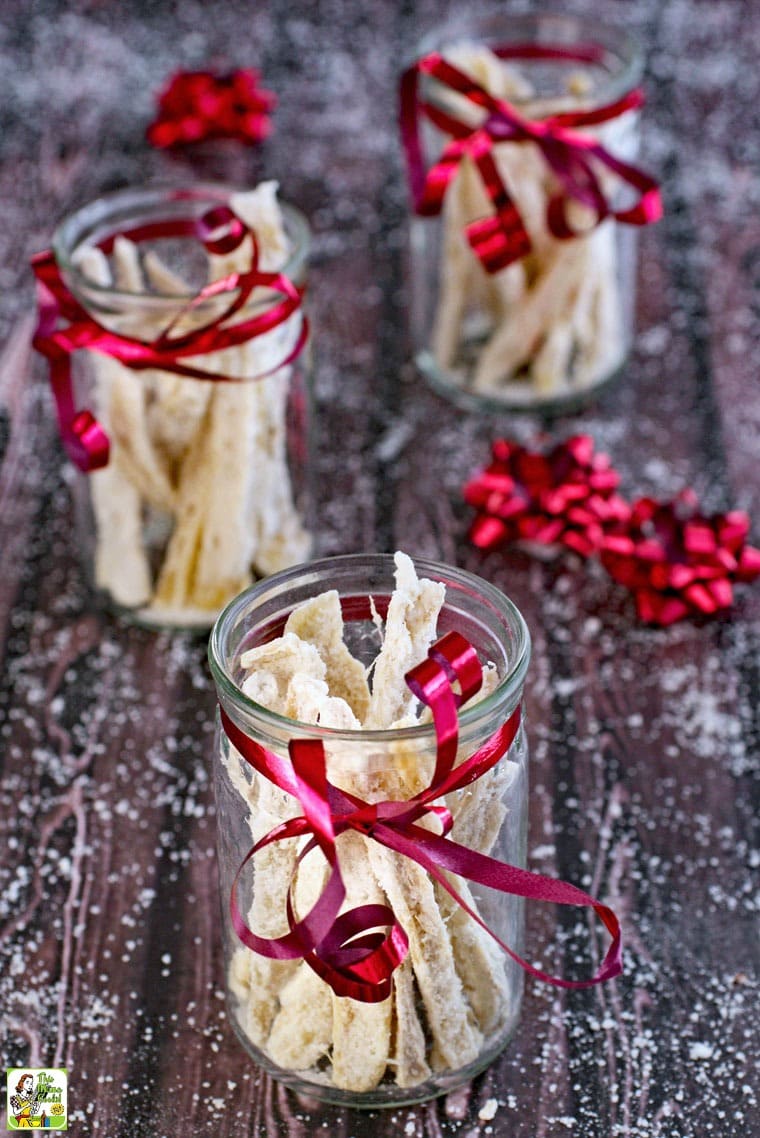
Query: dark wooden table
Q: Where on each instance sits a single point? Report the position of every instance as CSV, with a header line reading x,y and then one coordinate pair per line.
x,y
644,742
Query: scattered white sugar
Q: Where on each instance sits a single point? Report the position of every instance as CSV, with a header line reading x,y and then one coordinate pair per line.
x,y
488,1110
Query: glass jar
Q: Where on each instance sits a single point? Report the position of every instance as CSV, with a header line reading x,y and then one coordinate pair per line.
x,y
206,484
547,331
455,1000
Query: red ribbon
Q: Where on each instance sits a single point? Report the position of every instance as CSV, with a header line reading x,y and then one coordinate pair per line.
x,y
197,105
220,231
349,950
679,562
573,158
566,497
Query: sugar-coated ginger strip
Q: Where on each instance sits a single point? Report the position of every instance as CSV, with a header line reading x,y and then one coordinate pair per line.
x,y
410,629
176,411
260,211
409,1048
514,343
267,917
480,813
121,566
282,539
319,621
464,286
410,893
500,79
302,1029
146,465
550,369
120,392
458,272
163,279
275,866
228,531
127,272
283,658
256,980
361,1031
226,548
603,349
309,701
208,557
478,959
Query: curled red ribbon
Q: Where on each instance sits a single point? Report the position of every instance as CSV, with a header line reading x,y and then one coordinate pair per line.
x,y
678,561
65,326
197,105
348,950
573,158
566,497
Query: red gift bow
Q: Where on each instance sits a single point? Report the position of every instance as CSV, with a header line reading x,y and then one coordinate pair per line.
x,y
197,105
677,561
221,231
347,950
502,238
566,497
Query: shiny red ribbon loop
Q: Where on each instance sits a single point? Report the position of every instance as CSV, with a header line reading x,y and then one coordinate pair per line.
x,y
348,950
65,326
573,158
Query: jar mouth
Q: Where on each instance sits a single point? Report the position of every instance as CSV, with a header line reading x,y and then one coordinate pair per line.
x,y
326,574
111,213
621,64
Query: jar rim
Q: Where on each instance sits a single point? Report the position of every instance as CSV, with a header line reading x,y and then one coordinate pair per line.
x,y
101,216
507,692
551,26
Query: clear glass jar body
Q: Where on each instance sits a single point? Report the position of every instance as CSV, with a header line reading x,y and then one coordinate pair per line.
x,y
456,999
206,487
548,331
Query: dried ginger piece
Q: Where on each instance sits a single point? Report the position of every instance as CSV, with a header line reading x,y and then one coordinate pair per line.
x,y
410,629
320,622
409,1052
177,404
478,959
361,1032
411,895
121,566
302,1028
281,538
517,340
274,867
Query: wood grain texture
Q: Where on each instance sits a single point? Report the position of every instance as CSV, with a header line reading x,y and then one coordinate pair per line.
x,y
644,743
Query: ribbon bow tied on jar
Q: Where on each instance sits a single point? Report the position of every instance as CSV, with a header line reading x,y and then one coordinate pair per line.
x,y
65,326
577,161
349,950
